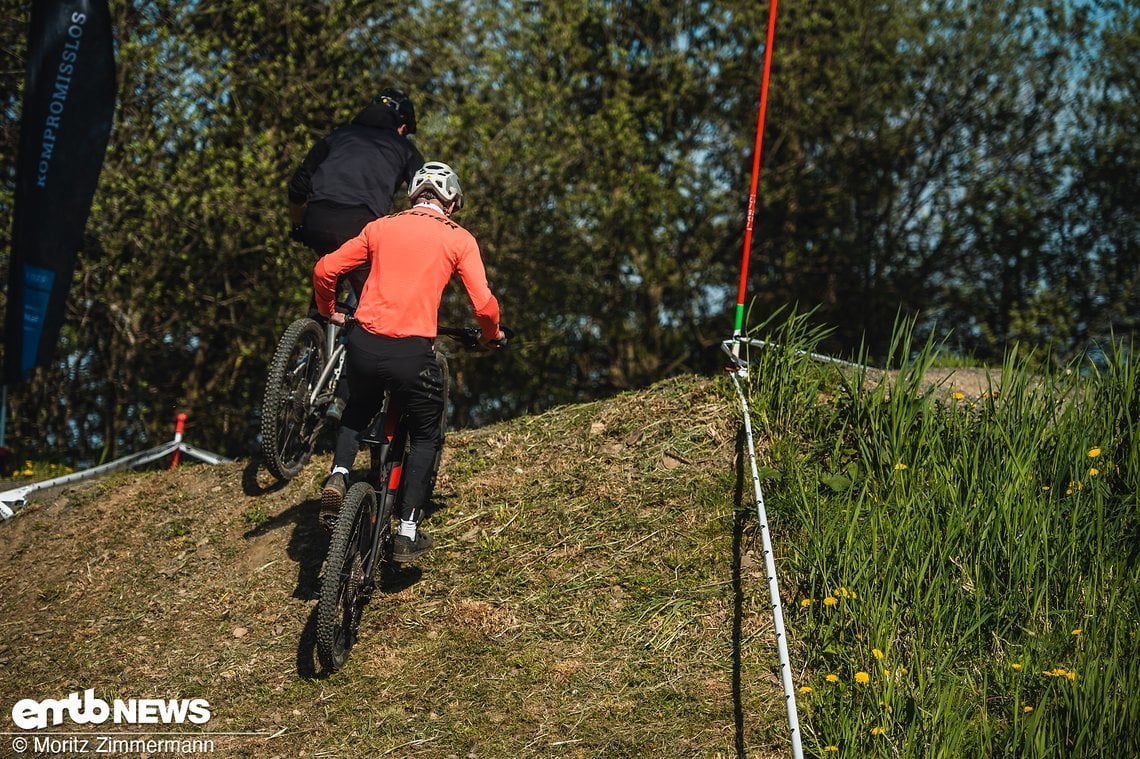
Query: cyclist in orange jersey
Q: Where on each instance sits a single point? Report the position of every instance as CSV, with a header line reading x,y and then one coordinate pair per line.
x,y
412,256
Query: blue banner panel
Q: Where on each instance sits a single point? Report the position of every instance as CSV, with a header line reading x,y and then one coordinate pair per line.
x,y
69,104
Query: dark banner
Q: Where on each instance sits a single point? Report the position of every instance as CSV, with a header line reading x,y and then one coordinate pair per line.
x,y
69,103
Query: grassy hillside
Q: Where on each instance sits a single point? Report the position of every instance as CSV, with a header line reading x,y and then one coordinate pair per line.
x,y
959,562
594,592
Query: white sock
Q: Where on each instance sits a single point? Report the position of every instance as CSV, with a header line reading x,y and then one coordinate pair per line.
x,y
407,529
339,470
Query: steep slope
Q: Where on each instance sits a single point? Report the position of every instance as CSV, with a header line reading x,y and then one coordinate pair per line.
x,y
593,592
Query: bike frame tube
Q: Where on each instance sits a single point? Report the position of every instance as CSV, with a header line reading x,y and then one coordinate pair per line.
x,y
333,365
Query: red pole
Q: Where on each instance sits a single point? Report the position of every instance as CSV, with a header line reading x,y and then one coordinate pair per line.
x,y
739,324
179,426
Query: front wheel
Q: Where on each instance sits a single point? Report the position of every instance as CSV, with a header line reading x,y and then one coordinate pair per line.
x,y
342,600
289,423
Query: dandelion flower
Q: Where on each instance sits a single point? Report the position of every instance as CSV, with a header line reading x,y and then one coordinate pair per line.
x,y
877,654
862,678
831,748
1027,708
959,395
877,731
1071,675
805,689
1094,452
832,678
1093,471
842,592
805,603
1015,667
1077,631
900,467
830,601
1045,488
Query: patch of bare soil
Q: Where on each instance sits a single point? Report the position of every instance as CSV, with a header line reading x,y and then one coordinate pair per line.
x,y
973,383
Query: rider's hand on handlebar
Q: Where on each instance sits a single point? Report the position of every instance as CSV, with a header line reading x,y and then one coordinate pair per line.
x,y
497,342
339,319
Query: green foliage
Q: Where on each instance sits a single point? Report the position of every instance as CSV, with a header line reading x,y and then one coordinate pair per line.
x,y
974,557
973,171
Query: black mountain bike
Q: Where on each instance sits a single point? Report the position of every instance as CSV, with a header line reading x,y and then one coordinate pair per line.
x,y
300,386
361,543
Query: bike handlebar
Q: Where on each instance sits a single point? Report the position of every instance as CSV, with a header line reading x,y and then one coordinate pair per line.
x,y
471,337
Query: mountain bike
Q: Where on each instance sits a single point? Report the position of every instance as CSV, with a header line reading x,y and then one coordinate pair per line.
x,y
361,544
301,384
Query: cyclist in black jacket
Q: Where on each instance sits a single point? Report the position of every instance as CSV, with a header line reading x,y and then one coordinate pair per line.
x,y
349,179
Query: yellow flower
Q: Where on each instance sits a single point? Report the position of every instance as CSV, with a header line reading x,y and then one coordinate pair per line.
x,y
831,748
832,678
805,689
902,670
805,603
830,601
1093,471
1016,667
862,678
877,654
1077,631
1027,708
877,731
1071,675
900,467
959,395
1094,452
1045,488
842,592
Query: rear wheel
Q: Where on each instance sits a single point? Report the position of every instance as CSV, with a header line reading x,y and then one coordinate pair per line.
x,y
442,361
289,424
341,601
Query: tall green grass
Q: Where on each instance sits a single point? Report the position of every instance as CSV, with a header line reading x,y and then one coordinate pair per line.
x,y
962,573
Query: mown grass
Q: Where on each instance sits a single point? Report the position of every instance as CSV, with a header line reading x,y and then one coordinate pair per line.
x,y
593,592
961,572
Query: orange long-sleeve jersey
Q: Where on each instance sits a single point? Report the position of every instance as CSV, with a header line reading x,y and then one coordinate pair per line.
x,y
413,255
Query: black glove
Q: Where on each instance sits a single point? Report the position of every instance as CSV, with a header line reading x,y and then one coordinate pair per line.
x,y
297,232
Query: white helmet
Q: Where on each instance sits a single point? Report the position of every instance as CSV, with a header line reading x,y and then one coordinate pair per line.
x,y
440,178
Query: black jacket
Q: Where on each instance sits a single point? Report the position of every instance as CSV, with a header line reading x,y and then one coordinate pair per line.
x,y
359,164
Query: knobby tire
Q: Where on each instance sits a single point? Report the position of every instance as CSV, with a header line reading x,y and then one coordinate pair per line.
x,y
289,425
340,606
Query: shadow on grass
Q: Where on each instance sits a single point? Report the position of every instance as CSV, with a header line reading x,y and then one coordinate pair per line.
x,y
739,517
308,544
254,475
